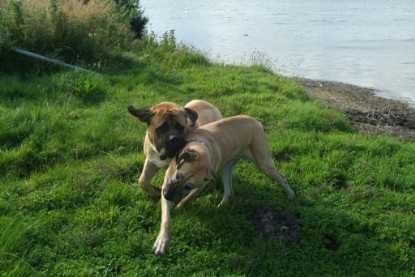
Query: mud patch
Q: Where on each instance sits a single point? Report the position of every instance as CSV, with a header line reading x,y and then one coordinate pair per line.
x,y
274,222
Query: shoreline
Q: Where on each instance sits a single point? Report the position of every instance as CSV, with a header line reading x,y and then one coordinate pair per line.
x,y
369,113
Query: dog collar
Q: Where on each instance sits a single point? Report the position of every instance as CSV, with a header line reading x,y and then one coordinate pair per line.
x,y
196,140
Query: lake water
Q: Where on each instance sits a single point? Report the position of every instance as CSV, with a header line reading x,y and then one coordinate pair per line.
x,y
369,43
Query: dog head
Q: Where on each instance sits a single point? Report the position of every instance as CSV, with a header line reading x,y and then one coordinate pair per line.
x,y
167,124
192,172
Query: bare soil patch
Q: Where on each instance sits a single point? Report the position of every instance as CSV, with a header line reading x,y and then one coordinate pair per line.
x,y
370,114
274,222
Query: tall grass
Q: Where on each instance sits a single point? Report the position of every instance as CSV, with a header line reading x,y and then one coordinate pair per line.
x,y
72,30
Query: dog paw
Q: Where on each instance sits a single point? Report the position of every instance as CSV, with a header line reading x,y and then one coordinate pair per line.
x,y
156,192
226,198
223,202
161,244
153,191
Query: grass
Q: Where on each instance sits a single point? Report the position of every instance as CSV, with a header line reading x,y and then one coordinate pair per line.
x,y
70,156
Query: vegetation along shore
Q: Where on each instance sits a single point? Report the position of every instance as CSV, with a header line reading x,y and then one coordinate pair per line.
x,y
70,156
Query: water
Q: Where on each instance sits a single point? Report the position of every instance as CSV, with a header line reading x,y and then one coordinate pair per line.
x,y
363,42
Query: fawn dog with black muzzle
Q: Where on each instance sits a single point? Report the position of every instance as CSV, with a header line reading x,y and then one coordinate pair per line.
x,y
210,148
168,124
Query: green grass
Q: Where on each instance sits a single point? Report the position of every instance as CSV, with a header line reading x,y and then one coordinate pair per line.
x,y
70,156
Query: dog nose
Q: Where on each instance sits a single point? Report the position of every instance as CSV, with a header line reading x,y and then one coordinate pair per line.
x,y
173,138
167,195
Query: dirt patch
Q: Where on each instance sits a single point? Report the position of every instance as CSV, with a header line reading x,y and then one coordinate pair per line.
x,y
274,222
370,114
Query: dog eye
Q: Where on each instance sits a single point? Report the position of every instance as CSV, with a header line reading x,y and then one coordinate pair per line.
x,y
188,187
179,177
178,127
164,127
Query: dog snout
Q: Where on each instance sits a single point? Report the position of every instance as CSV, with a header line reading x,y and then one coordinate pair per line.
x,y
170,194
167,195
163,154
173,138
172,144
172,191
177,177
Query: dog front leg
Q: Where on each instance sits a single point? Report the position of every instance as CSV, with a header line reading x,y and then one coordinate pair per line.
x,y
149,170
163,239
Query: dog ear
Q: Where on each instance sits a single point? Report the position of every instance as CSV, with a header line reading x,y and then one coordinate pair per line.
x,y
192,115
189,155
211,177
143,115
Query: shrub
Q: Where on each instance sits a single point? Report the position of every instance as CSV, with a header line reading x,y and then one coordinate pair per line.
x,y
72,30
138,21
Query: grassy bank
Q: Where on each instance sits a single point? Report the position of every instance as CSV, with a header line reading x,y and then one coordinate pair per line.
x,y
70,156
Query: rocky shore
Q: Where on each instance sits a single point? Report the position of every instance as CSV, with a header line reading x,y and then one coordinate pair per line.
x,y
369,113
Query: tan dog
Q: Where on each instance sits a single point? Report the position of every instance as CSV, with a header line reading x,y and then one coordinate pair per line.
x,y
212,147
167,127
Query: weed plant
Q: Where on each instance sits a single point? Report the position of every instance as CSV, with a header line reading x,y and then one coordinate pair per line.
x,y
70,156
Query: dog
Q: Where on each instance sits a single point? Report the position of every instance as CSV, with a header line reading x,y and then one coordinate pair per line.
x,y
212,147
168,124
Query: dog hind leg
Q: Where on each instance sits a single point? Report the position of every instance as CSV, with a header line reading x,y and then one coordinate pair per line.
x,y
262,157
272,172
